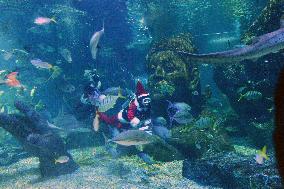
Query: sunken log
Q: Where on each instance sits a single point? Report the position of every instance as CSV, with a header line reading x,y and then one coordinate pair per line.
x,y
32,131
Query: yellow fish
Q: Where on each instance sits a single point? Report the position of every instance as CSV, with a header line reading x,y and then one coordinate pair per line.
x,y
32,93
261,155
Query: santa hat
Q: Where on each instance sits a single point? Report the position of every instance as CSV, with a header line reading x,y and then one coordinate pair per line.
x,y
140,91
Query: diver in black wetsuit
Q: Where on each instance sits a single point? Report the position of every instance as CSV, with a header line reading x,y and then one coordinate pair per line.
x,y
92,89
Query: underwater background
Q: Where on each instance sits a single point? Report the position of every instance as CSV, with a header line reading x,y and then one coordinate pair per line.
x,y
46,44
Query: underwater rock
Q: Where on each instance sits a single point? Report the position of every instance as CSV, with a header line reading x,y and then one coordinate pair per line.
x,y
267,21
31,130
259,76
170,76
11,155
193,142
232,170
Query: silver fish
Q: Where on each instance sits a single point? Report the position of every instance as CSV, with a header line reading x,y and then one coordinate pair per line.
x,y
95,41
182,117
133,138
251,95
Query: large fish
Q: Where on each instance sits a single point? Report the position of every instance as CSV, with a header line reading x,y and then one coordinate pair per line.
x,y
95,41
262,45
133,138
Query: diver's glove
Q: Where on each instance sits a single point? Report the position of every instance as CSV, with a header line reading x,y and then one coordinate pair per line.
x,y
135,122
147,129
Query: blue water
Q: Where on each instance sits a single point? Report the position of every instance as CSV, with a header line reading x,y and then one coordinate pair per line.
x,y
135,32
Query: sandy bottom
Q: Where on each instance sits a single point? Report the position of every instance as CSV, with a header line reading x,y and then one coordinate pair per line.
x,y
99,170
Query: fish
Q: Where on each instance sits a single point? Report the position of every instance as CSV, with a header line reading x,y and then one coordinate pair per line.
x,y
44,20
33,90
204,123
108,102
261,155
40,64
133,138
12,80
262,45
110,148
251,95
66,54
179,106
62,159
159,121
1,93
182,117
162,132
68,123
7,55
116,91
95,41
96,122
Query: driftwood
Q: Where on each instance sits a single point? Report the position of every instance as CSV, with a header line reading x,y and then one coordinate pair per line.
x,y
32,131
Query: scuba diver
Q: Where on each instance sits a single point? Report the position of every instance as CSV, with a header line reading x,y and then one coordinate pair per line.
x,y
137,114
92,89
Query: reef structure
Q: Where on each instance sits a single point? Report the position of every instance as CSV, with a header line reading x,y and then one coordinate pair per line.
x,y
32,131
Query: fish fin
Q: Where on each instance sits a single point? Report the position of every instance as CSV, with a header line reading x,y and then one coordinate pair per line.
x,y
53,20
103,29
106,139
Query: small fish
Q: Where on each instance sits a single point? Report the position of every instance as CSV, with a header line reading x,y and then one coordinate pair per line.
x,y
12,80
195,93
95,41
204,123
162,132
44,20
1,93
66,54
40,64
179,106
251,95
133,138
182,117
62,159
32,93
270,109
116,91
96,122
7,55
261,155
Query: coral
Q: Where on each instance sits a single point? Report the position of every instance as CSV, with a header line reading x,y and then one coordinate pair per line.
x,y
194,142
226,170
170,76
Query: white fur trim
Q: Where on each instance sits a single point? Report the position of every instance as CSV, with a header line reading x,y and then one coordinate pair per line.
x,y
136,103
147,94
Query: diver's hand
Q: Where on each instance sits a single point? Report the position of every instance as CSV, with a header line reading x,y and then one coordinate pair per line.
x,y
135,122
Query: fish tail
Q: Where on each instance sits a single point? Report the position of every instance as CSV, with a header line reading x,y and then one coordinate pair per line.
x,y
106,139
240,98
53,20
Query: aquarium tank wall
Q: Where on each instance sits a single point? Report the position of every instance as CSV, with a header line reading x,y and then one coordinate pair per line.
x,y
141,94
